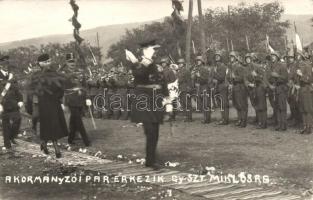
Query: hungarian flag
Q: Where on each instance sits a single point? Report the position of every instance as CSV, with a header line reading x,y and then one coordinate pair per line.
x,y
298,40
268,45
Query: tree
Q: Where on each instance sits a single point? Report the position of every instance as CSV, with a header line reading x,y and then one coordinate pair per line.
x,y
254,21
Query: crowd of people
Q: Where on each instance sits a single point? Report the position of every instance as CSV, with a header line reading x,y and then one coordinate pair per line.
x,y
283,80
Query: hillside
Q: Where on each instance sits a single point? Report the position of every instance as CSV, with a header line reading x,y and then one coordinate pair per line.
x,y
111,34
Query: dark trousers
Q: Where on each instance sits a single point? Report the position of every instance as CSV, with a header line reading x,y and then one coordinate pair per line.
x,y
186,105
281,94
76,125
11,122
262,118
151,131
240,100
223,101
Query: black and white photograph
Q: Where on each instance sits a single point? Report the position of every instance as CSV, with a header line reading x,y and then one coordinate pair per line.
x,y
156,100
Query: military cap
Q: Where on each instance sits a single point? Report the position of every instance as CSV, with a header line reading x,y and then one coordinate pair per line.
x,y
69,57
180,60
43,57
4,58
199,58
164,60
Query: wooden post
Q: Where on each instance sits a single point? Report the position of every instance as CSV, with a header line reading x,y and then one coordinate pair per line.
x,y
98,44
201,28
188,35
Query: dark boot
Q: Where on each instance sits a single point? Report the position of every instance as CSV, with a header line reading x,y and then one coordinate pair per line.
x,y
57,149
44,148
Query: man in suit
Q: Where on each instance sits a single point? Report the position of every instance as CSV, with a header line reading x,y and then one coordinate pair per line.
x,y
11,102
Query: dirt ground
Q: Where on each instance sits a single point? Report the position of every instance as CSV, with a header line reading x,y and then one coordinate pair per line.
x,y
26,165
286,157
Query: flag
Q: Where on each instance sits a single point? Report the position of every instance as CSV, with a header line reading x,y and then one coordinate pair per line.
x,y
298,40
268,45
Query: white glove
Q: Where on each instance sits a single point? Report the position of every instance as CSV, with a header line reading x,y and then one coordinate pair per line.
x,y
299,72
88,102
145,61
63,107
254,73
1,108
149,51
130,56
20,104
10,76
251,85
7,86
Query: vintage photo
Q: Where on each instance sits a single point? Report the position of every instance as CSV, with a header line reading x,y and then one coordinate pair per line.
x,y
156,99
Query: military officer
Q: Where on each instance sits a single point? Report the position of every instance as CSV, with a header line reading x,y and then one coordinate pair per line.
x,y
200,75
185,88
11,100
280,75
240,93
75,99
219,79
149,82
293,92
305,93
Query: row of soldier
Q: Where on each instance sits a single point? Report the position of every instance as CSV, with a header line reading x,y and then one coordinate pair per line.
x,y
283,80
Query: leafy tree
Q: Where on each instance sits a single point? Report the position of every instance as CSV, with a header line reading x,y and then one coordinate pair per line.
x,y
254,21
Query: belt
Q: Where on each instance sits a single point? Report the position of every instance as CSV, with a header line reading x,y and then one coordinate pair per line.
x,y
151,86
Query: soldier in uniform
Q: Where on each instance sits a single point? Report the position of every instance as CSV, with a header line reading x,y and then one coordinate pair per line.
x,y
169,77
75,99
122,81
149,83
184,83
240,93
200,76
93,87
280,75
33,99
270,82
219,79
293,92
305,93
251,68
11,102
260,97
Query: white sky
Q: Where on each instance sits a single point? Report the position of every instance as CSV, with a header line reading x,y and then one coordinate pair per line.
x,y
22,19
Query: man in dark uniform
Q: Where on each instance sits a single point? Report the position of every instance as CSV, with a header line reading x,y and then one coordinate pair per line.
x,y
260,97
219,78
270,82
305,78
240,93
11,101
169,77
200,76
33,99
293,92
280,75
146,107
75,99
184,83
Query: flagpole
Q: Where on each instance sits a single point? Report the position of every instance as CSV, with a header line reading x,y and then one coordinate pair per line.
x,y
188,35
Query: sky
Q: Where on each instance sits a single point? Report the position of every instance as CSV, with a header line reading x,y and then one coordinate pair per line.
x,y
22,19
